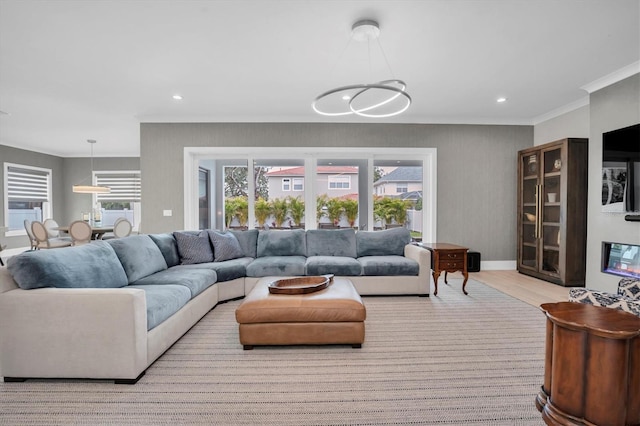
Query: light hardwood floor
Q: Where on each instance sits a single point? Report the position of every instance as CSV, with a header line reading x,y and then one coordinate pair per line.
x,y
528,289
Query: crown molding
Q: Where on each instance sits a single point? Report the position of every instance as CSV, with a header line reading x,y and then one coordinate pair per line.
x,y
612,78
562,110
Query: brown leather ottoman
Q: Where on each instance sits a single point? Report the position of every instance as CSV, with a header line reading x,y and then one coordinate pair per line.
x,y
334,315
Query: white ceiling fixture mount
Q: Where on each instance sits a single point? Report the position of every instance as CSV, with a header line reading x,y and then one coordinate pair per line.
x,y
91,189
373,100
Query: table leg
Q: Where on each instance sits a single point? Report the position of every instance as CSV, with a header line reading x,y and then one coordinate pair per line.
x,y
464,283
445,277
436,275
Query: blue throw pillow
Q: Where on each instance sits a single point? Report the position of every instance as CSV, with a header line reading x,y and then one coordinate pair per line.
x,y
139,255
193,248
382,243
225,246
91,265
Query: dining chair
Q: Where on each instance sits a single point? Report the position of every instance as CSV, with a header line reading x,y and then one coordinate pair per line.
x,y
42,237
32,240
80,232
52,229
122,228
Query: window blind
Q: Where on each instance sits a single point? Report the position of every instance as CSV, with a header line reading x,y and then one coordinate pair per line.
x,y
125,186
27,184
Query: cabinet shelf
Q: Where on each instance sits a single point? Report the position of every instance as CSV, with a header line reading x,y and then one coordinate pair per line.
x,y
553,174
550,224
554,204
551,248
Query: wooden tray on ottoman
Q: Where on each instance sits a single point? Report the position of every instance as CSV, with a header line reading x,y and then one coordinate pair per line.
x,y
301,285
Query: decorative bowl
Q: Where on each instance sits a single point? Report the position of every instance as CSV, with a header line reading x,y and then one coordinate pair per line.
x,y
530,217
300,285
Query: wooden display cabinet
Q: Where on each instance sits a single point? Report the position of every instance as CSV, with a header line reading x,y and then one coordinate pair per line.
x,y
552,211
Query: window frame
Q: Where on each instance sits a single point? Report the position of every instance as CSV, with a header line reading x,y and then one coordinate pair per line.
x,y
47,206
339,179
297,181
286,184
134,201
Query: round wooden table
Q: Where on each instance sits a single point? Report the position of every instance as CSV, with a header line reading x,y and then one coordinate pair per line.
x,y
592,366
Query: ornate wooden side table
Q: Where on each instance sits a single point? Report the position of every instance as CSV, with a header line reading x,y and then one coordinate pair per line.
x,y
592,366
445,258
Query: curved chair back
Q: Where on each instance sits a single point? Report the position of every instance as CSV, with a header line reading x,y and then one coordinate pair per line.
x,y
39,232
122,228
51,224
43,241
32,240
80,232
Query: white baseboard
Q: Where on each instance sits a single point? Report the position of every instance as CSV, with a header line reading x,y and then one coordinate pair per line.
x,y
498,265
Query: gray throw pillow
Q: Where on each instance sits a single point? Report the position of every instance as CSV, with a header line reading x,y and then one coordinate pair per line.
x,y
193,248
225,246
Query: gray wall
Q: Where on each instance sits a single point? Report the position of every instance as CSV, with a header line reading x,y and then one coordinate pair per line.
x,y
611,108
573,124
476,169
66,172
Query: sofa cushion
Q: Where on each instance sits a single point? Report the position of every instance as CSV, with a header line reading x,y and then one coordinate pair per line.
x,y
277,265
168,247
226,271
388,265
331,242
139,256
193,248
163,301
629,287
225,246
282,243
196,280
382,243
336,265
90,265
248,241
601,298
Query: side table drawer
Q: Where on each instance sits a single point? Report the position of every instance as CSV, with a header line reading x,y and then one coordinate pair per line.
x,y
451,265
452,256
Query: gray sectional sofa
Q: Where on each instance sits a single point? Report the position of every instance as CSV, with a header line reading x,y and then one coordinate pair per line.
x,y
108,310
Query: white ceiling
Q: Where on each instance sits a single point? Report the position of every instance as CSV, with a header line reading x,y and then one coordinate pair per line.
x,y
94,69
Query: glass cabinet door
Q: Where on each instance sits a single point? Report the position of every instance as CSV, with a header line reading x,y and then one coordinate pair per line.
x,y
529,202
550,207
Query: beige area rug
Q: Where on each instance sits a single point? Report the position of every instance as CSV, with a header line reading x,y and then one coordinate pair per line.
x,y
445,360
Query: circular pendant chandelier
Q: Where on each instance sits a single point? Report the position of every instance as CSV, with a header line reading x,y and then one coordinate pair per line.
x,y
372,100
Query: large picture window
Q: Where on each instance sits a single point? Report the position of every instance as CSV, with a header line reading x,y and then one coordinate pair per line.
x,y
27,195
323,188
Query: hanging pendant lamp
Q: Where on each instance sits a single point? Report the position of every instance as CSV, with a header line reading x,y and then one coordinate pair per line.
x,y
373,100
91,189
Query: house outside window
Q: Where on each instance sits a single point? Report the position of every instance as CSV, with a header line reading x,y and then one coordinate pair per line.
x,y
286,184
402,187
27,195
298,184
339,182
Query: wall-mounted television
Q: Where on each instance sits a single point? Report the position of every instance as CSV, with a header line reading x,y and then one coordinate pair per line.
x,y
621,170
621,259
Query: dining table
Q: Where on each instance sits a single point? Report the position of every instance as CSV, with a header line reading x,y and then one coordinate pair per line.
x,y
97,231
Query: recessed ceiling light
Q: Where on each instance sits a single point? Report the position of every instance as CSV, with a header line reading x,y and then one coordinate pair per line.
x,y
177,97
501,100
346,97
